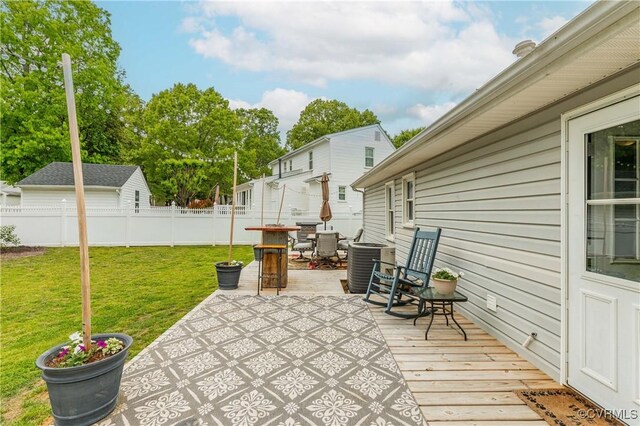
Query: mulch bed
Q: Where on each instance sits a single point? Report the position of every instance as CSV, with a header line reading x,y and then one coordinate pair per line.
x,y
21,251
564,407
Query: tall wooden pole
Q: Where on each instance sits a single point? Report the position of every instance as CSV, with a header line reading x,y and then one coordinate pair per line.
x,y
233,204
262,204
82,213
284,189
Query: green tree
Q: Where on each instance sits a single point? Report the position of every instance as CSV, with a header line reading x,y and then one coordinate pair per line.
x,y
260,140
32,102
322,117
185,123
405,135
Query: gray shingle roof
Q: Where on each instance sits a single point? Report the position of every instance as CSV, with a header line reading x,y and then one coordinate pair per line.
x,y
109,175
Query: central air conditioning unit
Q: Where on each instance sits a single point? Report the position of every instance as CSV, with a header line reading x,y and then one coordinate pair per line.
x,y
388,255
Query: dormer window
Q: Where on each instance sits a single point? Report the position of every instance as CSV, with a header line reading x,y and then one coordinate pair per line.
x,y
310,160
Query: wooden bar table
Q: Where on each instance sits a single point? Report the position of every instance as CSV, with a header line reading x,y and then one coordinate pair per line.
x,y
274,235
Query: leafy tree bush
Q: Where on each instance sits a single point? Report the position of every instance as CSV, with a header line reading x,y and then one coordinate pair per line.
x,y
8,238
322,117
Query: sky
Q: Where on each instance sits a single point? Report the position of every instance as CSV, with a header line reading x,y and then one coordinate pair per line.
x,y
408,62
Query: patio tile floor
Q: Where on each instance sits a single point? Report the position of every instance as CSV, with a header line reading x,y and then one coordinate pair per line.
x,y
455,382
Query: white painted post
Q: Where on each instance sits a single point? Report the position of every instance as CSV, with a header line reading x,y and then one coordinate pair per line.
x,y
173,218
127,224
63,223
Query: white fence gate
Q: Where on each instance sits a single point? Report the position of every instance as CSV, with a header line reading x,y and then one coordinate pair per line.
x,y
156,226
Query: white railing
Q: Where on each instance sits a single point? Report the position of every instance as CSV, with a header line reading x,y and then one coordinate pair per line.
x,y
57,225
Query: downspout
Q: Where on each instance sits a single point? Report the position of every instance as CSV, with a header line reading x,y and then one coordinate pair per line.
x,y
279,168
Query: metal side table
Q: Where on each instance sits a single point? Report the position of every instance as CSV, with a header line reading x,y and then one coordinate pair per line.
x,y
440,304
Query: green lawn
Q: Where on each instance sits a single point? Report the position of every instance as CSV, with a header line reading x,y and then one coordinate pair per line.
x,y
140,291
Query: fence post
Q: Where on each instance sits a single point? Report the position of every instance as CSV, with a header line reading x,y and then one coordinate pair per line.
x,y
173,218
63,223
127,224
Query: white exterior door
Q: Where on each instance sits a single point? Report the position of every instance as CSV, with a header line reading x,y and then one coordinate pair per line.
x,y
603,247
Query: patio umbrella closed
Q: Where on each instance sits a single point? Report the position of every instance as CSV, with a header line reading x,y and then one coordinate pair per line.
x,y
325,210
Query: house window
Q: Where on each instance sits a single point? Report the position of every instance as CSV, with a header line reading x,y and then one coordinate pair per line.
x,y
310,160
390,209
290,165
368,157
342,193
137,201
408,199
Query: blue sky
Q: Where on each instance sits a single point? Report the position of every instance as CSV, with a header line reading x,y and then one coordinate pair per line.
x,y
408,62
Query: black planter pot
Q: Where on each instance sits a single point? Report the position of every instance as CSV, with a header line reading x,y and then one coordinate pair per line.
x,y
228,275
84,394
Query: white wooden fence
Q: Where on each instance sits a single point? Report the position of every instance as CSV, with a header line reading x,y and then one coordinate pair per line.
x,y
157,226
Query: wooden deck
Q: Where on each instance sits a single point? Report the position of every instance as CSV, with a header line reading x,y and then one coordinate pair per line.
x,y
459,382
456,382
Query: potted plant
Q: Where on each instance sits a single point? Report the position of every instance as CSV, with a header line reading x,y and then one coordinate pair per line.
x,y
445,280
83,376
84,382
228,274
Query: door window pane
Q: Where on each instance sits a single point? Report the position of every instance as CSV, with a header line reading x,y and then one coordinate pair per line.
x,y
613,201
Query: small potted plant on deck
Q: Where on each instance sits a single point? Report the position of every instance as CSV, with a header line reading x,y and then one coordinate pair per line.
x,y
229,272
445,280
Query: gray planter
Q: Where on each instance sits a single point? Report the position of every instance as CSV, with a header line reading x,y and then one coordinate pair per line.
x,y
84,394
228,275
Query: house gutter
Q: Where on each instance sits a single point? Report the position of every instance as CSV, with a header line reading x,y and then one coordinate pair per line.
x,y
102,188
531,68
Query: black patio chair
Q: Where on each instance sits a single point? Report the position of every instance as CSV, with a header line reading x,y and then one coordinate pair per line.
x,y
396,288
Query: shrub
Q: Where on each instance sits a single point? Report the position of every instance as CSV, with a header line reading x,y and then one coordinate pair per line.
x,y
8,236
200,204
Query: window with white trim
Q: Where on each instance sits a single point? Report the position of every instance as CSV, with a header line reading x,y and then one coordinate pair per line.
x,y
368,156
342,193
408,199
310,160
390,209
290,165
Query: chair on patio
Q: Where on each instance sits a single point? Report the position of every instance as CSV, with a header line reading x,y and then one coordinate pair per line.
x,y
344,244
326,248
299,241
396,288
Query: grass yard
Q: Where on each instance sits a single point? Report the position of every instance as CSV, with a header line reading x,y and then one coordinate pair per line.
x,y
140,291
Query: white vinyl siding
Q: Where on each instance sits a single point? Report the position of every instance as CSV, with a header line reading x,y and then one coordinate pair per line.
x,y
94,198
135,183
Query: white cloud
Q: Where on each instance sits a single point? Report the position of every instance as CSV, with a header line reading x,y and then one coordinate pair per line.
x,y
549,25
429,113
446,45
285,104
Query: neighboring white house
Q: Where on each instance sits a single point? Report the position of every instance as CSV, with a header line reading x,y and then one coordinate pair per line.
x,y
534,180
9,195
105,186
344,156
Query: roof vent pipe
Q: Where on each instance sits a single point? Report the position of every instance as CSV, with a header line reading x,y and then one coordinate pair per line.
x,y
523,48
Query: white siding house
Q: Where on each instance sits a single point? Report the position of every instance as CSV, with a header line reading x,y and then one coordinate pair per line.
x,y
534,180
9,195
344,156
106,186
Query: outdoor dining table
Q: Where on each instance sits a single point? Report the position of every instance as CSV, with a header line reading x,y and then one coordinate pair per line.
x,y
278,235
